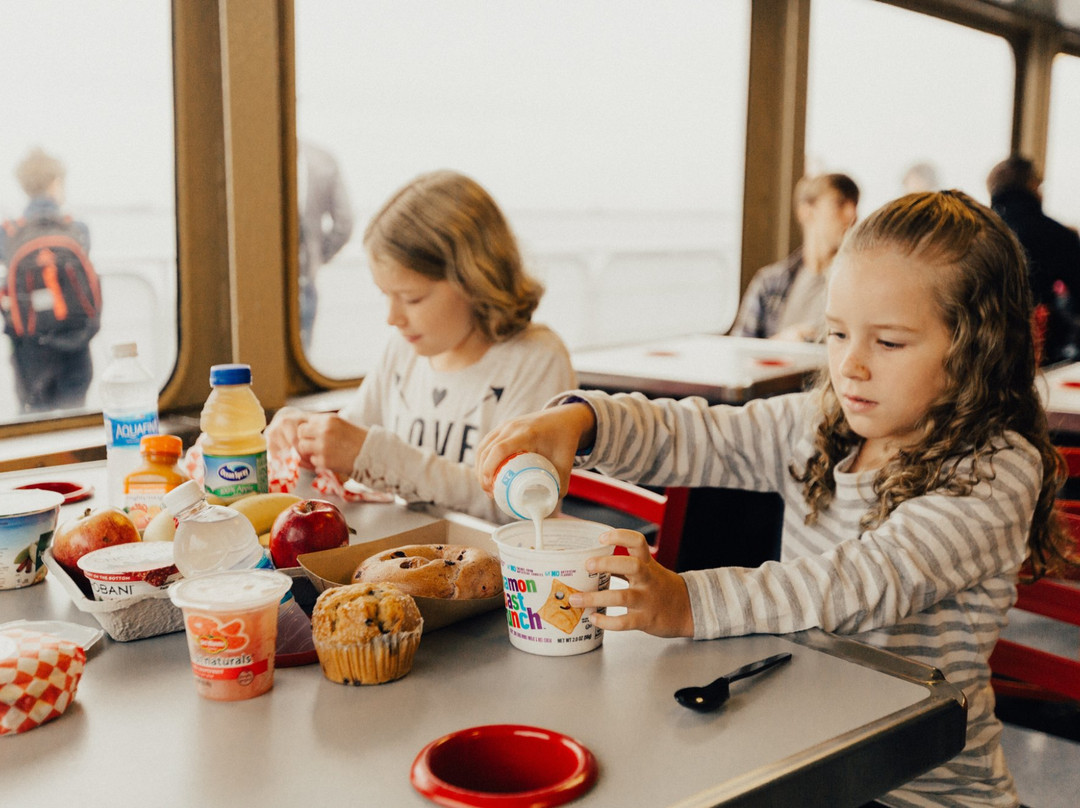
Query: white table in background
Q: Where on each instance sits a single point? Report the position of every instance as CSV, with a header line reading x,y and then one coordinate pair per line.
x,y
722,369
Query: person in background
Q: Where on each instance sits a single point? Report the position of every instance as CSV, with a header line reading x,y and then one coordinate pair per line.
x,y
1053,252
466,355
52,363
786,300
326,225
916,479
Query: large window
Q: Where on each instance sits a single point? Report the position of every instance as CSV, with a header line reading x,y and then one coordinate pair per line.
x,y
1061,189
90,85
614,144
891,90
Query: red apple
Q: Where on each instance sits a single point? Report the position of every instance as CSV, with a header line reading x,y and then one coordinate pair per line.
x,y
91,531
304,527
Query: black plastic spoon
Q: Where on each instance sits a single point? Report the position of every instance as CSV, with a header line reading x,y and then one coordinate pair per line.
x,y
708,698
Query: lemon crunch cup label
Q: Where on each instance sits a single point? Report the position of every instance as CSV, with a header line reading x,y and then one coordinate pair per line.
x,y
537,585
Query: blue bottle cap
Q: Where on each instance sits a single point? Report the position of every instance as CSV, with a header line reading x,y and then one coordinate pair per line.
x,y
230,374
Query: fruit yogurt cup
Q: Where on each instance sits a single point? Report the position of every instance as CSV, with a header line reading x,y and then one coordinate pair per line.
x,y
538,583
129,570
230,619
27,522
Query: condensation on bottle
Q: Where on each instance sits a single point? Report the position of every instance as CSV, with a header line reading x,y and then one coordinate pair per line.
x,y
210,538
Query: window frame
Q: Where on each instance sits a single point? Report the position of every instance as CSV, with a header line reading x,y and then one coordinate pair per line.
x,y
234,97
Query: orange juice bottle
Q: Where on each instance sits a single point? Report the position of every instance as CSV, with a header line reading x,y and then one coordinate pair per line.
x,y
158,474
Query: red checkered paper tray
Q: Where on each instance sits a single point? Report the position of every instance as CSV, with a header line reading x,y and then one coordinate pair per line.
x,y
39,674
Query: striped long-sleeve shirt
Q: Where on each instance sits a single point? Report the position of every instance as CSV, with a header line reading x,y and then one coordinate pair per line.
x,y
932,582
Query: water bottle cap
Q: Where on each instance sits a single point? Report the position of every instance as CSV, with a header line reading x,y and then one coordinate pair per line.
x,y
162,444
183,496
230,374
122,350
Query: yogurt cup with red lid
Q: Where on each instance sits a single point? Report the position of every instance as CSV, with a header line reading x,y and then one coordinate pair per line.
x,y
129,570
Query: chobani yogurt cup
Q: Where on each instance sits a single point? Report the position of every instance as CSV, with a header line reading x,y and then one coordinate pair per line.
x,y
231,623
129,570
537,585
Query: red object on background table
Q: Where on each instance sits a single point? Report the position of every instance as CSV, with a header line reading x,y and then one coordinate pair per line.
x,y
73,492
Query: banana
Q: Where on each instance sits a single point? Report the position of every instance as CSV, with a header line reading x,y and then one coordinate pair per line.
x,y
161,528
262,509
264,539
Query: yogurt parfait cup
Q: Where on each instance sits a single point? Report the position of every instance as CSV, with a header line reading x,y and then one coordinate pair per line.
x,y
231,623
537,585
27,522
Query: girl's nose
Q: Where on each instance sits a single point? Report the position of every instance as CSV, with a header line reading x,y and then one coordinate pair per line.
x,y
853,366
394,313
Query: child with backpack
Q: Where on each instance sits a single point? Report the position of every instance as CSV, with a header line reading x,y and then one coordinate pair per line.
x,y
50,296
916,479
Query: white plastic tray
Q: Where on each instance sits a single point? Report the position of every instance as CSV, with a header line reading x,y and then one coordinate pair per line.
x,y
128,619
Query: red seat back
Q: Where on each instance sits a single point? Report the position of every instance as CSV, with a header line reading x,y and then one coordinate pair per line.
x,y
667,510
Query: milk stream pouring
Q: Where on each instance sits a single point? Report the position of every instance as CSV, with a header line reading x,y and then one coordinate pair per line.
x,y
129,407
215,538
233,446
527,487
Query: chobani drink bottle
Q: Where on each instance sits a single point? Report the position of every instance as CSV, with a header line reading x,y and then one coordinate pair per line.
x,y
233,446
526,486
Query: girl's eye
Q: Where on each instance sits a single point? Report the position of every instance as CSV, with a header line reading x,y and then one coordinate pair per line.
x,y
413,301
836,334
890,345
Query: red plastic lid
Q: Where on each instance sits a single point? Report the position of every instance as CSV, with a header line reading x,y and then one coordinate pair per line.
x,y
72,492
504,766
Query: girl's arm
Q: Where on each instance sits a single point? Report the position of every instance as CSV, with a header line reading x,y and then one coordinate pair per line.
x,y
690,443
931,548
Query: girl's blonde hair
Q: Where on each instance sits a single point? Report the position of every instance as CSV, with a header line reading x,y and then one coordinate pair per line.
x,y
445,226
982,294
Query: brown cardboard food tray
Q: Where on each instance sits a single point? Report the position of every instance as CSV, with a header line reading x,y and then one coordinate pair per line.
x,y
128,619
329,568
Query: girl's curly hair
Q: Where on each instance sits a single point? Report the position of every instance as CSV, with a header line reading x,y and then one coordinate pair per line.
x,y
983,297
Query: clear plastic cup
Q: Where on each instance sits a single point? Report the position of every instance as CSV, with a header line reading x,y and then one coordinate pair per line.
x,y
231,622
537,585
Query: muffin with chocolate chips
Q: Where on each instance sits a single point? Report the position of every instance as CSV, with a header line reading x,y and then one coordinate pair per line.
x,y
366,633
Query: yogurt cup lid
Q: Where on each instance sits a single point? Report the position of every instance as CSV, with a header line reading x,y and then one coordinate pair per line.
x,y
231,590
136,556
26,501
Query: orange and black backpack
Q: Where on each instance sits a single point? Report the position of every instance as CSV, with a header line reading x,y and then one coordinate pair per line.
x,y
52,294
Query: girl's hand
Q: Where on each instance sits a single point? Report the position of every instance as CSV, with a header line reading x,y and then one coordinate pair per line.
x,y
328,442
657,601
281,435
556,433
